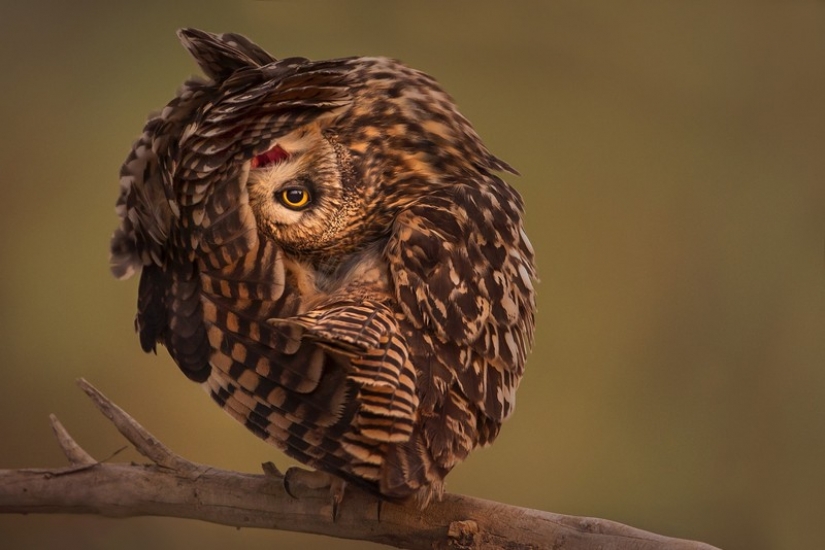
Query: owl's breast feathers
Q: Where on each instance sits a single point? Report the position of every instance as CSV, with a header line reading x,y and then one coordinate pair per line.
x,y
385,371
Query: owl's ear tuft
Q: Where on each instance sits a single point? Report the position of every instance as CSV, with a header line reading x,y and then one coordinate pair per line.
x,y
220,55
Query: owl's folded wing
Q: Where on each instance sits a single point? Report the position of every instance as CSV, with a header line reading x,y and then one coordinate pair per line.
x,y
368,334
463,270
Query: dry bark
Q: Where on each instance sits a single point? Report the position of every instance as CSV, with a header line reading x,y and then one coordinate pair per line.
x,y
174,487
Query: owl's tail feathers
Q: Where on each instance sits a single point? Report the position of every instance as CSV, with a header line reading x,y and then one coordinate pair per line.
x,y
417,467
409,472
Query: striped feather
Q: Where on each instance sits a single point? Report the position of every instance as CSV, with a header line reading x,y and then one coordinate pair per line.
x,y
384,346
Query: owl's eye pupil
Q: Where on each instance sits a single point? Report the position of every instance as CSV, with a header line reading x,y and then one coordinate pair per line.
x,y
295,198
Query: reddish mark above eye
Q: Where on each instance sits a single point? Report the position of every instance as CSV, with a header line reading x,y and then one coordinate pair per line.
x,y
273,156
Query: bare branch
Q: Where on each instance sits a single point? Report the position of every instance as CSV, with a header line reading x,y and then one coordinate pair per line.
x,y
74,452
145,443
175,487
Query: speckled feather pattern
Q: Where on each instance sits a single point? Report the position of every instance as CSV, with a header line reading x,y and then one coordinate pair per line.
x,y
379,332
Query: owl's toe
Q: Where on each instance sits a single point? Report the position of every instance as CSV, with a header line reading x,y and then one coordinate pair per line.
x,y
311,479
296,477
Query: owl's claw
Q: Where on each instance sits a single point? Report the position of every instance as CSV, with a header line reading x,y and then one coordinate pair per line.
x,y
336,491
315,479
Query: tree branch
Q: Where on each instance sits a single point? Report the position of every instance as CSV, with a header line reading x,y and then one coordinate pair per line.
x,y
174,487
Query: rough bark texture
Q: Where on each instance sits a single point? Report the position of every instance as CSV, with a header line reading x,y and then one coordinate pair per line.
x,y
175,487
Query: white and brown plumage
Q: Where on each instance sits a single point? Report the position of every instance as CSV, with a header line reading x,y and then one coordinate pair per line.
x,y
327,248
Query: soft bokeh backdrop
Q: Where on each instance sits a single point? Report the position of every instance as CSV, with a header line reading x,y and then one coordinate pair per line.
x,y
672,165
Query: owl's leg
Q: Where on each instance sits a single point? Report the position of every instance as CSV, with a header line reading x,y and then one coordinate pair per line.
x,y
429,493
316,479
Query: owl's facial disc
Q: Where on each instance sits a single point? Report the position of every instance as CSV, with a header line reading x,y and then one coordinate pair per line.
x,y
282,187
296,193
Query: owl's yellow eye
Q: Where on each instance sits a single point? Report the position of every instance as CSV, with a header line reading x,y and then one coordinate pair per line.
x,y
294,197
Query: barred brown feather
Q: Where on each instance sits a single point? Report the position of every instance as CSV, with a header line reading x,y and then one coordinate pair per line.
x,y
327,248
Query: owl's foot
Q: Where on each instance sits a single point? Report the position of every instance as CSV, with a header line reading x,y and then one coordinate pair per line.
x,y
316,479
311,479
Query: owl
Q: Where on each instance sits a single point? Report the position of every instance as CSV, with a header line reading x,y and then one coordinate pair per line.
x,y
328,249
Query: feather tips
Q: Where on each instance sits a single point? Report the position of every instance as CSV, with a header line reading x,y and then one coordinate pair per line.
x,y
475,292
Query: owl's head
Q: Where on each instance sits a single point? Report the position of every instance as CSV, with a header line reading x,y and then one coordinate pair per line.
x,y
303,195
327,152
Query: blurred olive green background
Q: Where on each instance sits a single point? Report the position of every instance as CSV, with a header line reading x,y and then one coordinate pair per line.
x,y
672,164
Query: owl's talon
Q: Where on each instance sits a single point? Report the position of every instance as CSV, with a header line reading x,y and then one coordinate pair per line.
x,y
288,479
315,479
337,488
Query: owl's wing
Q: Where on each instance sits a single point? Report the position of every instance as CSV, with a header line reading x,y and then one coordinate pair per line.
x,y
463,272
368,334
182,204
360,332
329,387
